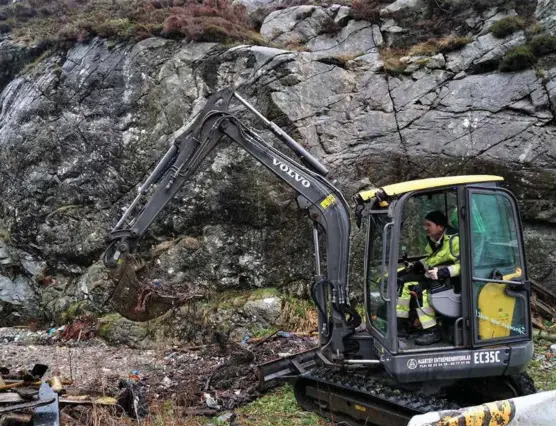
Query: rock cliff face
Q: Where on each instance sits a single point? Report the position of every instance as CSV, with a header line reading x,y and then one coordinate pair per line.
x,y
79,130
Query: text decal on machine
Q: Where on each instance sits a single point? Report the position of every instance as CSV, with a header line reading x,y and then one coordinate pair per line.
x,y
283,167
488,357
483,357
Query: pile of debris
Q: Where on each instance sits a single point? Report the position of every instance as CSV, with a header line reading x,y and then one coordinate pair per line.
x,y
543,309
202,380
26,398
206,380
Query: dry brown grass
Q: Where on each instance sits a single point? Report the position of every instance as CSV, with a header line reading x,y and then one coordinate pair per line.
x,y
439,45
428,48
391,59
345,57
167,413
68,21
295,47
367,10
299,316
447,44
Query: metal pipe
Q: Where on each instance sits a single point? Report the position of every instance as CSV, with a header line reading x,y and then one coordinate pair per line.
x,y
162,164
316,250
362,361
305,156
143,188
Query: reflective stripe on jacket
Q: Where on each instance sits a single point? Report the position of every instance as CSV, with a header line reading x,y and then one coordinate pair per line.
x,y
441,254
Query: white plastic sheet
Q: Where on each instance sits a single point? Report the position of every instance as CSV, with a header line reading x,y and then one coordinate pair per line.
x,y
531,410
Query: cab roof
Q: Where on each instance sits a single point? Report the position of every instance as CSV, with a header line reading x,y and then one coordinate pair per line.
x,y
414,185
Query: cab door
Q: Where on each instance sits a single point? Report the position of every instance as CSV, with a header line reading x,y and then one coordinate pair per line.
x,y
380,319
500,290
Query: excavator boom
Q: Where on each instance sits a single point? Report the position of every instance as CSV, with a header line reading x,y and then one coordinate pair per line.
x,y
325,204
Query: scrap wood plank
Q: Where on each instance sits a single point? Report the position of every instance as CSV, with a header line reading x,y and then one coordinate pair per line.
x,y
87,399
543,292
544,308
536,322
542,301
10,397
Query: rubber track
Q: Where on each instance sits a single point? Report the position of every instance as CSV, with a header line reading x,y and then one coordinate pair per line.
x,y
376,388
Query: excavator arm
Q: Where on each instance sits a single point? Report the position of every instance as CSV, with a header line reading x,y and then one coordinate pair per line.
x,y
325,204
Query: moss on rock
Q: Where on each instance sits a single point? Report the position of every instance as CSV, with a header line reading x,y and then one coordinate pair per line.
x,y
74,310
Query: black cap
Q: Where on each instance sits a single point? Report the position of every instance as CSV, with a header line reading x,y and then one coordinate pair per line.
x,y
437,217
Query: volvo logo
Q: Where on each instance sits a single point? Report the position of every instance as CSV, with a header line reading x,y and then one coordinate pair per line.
x,y
284,168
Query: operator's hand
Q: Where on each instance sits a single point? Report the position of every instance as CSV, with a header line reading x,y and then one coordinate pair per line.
x,y
432,274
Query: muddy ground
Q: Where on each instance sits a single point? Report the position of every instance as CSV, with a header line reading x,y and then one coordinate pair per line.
x,y
204,380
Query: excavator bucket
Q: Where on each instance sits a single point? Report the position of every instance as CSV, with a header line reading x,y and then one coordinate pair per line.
x,y
134,298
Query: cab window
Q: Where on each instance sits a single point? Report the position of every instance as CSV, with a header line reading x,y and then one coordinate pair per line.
x,y
413,237
497,261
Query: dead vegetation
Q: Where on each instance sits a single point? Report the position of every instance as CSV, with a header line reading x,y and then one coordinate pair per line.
x,y
84,327
183,383
366,10
391,60
439,45
69,21
299,315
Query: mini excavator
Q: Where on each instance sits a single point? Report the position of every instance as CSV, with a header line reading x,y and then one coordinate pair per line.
x,y
365,371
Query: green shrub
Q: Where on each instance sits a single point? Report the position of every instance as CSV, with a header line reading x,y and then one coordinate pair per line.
x,y
534,29
542,44
508,25
518,58
482,5
5,27
120,29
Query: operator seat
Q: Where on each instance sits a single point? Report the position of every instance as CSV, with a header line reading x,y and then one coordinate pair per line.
x,y
445,300
445,297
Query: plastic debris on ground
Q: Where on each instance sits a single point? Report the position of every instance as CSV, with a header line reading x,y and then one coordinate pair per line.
x,y
209,379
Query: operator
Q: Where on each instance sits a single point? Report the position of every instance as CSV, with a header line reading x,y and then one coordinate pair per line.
x,y
440,264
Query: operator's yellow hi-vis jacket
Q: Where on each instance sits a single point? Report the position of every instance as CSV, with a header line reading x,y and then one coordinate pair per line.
x,y
443,255
438,255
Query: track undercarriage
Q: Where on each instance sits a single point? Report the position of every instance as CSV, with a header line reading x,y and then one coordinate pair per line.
x,y
370,396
